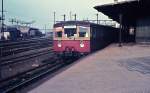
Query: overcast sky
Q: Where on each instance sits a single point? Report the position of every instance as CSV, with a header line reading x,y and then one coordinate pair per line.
x,y
42,10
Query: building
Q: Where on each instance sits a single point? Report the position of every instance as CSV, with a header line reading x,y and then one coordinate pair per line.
x,y
134,17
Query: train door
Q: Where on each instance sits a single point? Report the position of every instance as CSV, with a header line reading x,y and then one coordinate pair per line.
x,y
143,30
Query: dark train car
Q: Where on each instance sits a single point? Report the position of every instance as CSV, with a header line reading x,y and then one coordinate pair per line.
x,y
14,33
34,32
72,38
101,36
30,32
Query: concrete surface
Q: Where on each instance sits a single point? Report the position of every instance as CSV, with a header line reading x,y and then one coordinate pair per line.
x,y
112,70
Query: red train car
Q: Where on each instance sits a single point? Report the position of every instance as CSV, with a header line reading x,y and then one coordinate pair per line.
x,y
74,38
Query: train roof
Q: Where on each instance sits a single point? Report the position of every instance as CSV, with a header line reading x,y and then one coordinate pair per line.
x,y
61,23
85,23
132,9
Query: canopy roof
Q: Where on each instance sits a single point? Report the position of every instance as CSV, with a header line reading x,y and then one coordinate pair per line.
x,y
131,10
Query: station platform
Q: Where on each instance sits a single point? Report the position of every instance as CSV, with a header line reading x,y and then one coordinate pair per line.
x,y
111,70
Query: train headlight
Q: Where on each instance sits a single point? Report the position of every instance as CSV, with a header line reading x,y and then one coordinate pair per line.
x,y
59,44
81,44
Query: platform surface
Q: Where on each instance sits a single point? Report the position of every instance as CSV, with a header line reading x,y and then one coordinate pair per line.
x,y
111,70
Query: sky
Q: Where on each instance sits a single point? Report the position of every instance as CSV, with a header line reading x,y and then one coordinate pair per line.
x,y
41,11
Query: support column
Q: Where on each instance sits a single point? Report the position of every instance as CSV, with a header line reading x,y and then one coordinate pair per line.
x,y
97,18
120,30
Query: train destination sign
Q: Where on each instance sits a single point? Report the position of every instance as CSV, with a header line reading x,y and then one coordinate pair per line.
x,y
70,26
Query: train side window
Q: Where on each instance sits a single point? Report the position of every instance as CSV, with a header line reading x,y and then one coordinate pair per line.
x,y
83,32
59,34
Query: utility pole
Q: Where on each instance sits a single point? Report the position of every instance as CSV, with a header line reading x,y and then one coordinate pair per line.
x,y
2,29
45,29
75,17
17,22
64,17
70,16
2,20
54,17
12,21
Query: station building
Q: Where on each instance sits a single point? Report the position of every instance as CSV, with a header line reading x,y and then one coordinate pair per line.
x,y
133,16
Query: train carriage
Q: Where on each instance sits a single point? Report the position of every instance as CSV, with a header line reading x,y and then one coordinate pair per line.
x,y
74,38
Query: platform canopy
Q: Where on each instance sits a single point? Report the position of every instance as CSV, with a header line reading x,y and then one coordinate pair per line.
x,y
130,10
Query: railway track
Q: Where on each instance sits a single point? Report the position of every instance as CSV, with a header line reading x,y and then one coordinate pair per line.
x,y
8,42
13,60
26,58
15,81
23,49
6,47
18,47
31,76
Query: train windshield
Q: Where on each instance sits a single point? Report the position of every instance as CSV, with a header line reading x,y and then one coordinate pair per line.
x,y
83,31
59,34
70,31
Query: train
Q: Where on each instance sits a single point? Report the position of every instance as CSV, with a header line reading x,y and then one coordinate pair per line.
x,y
76,38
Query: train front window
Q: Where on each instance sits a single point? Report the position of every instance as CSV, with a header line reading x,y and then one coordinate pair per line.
x,y
83,31
69,32
59,34
82,34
